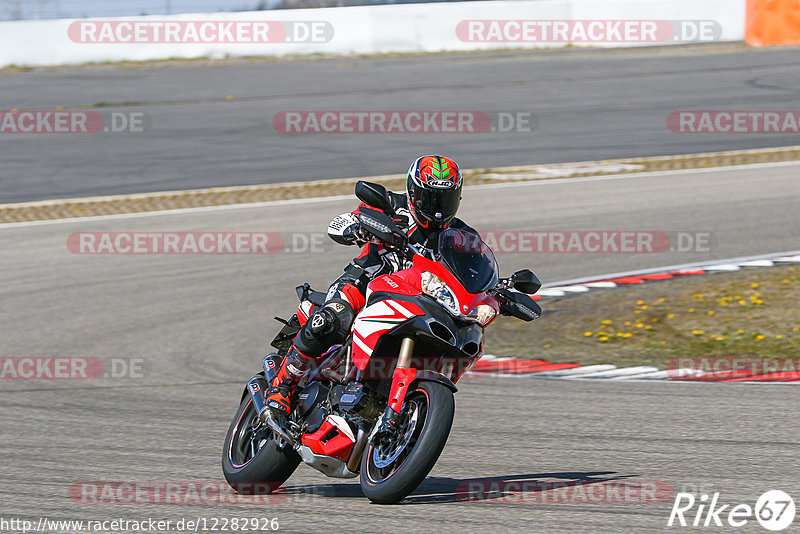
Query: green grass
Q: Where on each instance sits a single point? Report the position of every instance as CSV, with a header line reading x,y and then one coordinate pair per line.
x,y
749,313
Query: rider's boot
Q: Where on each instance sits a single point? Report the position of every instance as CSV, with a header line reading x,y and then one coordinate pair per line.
x,y
316,335
281,394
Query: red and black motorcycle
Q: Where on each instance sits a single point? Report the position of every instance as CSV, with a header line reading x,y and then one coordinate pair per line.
x,y
381,404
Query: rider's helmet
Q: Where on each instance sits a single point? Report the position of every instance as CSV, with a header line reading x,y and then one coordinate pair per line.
x,y
433,186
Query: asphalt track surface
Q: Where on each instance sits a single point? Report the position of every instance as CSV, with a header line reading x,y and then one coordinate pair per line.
x,y
586,104
201,323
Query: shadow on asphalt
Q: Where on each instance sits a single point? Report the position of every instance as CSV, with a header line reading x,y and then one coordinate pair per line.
x,y
435,490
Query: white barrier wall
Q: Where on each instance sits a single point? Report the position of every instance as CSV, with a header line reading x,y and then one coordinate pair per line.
x,y
367,29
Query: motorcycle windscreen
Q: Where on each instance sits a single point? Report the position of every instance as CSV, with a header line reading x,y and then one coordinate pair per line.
x,y
470,260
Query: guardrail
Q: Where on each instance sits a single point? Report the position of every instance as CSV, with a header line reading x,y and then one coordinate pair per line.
x,y
400,28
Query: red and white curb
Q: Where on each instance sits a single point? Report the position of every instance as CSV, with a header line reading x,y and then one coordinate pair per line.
x,y
490,365
584,285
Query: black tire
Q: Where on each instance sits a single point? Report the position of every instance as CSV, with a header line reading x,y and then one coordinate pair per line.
x,y
393,482
263,472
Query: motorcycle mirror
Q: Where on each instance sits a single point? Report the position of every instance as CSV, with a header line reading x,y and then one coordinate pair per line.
x,y
381,226
523,307
525,281
374,195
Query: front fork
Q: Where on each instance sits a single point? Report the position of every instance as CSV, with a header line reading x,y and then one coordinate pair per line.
x,y
403,375
401,381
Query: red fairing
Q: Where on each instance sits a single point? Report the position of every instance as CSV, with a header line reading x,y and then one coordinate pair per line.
x,y
339,446
375,320
399,283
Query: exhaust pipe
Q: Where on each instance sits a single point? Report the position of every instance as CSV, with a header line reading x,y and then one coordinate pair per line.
x,y
354,461
257,386
271,364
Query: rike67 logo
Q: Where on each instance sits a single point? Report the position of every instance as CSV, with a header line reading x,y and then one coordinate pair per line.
x,y
774,510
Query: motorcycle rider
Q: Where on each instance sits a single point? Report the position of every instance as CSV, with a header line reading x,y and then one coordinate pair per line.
x,y
433,194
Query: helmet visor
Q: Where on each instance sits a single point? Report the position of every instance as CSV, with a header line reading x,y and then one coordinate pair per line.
x,y
438,205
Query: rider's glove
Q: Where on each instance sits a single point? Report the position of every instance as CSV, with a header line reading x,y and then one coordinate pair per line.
x,y
346,230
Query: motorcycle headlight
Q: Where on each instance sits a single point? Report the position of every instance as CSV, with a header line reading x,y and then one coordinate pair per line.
x,y
482,314
435,287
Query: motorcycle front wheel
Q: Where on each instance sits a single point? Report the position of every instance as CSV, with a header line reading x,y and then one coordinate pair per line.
x,y
252,462
394,467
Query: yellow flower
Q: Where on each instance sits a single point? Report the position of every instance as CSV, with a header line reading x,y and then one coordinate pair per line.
x,y
697,296
719,338
779,336
607,321
602,338
547,346
710,312
691,310
627,334
759,337
639,302
655,319
662,299
754,286
639,325
796,328
587,334
698,332
648,327
644,307
663,342
636,311
742,302
740,331
670,316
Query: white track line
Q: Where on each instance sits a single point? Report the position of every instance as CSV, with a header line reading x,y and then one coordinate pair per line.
x,y
618,372
565,373
722,268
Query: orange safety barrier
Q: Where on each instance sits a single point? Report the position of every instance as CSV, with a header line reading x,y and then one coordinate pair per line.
x,y
772,22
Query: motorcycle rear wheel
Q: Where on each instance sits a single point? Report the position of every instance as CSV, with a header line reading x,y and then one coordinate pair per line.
x,y
393,469
251,461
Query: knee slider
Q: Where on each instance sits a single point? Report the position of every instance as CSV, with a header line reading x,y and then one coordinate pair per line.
x,y
344,315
